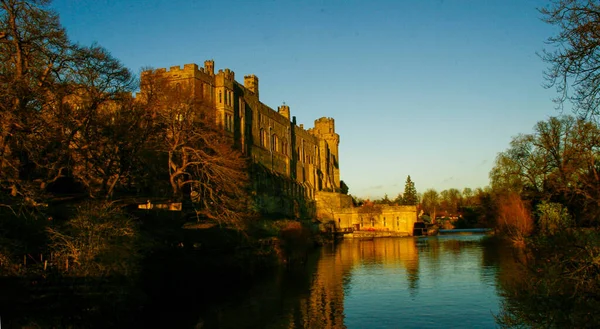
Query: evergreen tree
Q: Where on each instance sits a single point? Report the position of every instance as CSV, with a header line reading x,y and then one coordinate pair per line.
x,y
398,200
410,193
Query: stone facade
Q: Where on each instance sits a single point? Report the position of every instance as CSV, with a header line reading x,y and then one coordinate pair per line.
x,y
291,163
337,208
295,170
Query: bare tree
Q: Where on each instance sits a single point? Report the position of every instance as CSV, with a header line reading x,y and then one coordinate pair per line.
x,y
431,202
32,49
198,155
575,59
558,162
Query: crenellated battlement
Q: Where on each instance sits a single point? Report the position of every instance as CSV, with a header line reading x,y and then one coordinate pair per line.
x,y
324,126
227,74
308,156
325,119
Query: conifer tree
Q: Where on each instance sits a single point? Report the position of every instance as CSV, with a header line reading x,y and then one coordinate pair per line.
x,y
410,193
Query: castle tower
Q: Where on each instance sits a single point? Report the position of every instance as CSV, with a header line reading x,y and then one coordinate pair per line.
x,y
209,67
325,130
284,110
251,83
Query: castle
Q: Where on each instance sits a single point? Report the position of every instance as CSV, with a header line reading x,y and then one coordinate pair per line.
x,y
291,163
295,170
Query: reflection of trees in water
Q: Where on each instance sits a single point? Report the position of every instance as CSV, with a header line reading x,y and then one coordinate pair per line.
x,y
412,275
390,253
313,296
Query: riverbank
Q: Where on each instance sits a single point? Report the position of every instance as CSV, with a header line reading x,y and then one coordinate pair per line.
x,y
162,258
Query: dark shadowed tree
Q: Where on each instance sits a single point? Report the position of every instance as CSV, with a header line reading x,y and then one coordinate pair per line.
x,y
344,188
33,48
575,55
196,154
398,199
384,201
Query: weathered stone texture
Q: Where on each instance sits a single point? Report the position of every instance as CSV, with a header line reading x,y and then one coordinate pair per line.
x,y
307,158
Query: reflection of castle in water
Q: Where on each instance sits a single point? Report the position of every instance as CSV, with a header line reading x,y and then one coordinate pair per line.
x,y
323,307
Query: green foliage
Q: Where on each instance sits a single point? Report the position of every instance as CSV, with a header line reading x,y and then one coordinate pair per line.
x,y
398,199
383,201
552,218
471,217
410,196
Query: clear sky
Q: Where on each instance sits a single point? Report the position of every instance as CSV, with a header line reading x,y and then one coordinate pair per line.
x,y
433,89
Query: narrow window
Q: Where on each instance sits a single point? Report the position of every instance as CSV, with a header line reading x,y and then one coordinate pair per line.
x,y
220,97
384,222
262,137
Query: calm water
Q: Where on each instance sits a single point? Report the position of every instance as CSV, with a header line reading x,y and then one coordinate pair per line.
x,y
432,282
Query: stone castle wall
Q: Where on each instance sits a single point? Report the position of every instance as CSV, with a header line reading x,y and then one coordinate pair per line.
x,y
295,170
338,208
296,162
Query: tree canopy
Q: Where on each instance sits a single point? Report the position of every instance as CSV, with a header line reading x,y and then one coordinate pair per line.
x,y
558,162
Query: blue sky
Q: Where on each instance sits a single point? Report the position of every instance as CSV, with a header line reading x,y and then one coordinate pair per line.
x,y
431,89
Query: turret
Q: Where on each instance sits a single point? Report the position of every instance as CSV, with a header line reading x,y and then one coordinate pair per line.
x,y
251,83
284,110
209,67
325,130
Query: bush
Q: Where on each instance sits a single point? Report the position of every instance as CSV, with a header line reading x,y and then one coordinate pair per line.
x,y
514,218
553,217
99,240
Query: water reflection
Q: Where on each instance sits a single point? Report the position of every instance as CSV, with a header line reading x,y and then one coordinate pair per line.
x,y
446,281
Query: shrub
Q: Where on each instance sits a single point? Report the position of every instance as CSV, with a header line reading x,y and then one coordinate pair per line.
x,y
514,218
99,240
552,217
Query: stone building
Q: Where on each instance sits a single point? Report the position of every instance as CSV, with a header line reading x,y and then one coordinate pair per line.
x,y
295,170
290,163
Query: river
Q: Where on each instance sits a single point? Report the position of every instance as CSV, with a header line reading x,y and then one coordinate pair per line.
x,y
449,281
